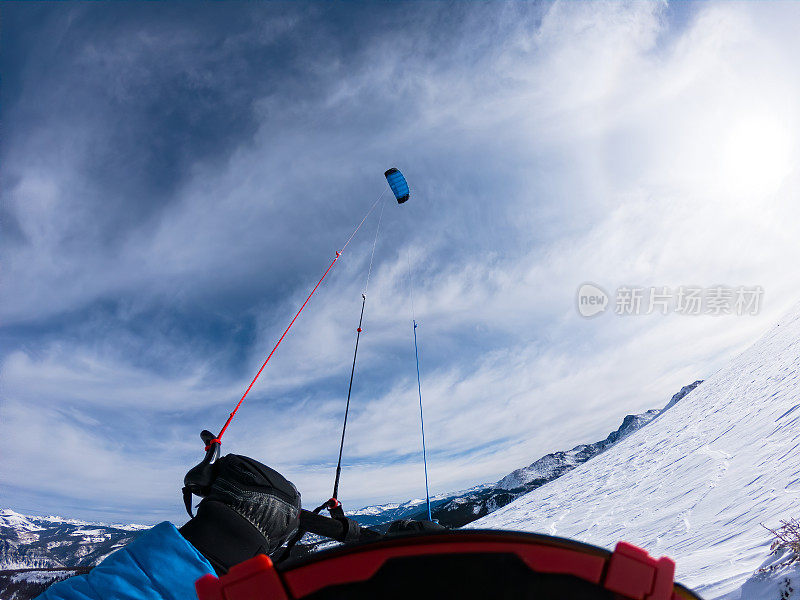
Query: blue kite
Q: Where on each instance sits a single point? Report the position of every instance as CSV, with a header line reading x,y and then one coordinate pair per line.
x,y
398,184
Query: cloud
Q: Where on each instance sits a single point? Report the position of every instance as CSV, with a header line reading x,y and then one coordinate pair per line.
x,y
178,185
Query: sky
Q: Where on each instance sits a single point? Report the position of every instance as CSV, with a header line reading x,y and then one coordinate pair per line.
x,y
175,179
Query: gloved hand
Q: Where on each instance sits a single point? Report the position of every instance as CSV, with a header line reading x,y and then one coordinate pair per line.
x,y
249,509
411,526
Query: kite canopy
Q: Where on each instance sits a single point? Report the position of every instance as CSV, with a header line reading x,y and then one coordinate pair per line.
x,y
398,184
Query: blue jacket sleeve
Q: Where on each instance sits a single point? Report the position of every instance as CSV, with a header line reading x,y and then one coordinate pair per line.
x,y
158,565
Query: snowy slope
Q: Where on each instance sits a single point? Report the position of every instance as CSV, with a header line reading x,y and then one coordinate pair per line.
x,y
552,466
698,481
456,509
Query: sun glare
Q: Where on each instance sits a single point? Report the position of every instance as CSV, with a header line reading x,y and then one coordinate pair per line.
x,y
757,156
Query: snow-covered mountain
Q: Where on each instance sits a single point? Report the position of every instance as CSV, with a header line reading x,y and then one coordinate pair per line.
x,y
552,466
383,514
34,551
28,542
23,584
456,509
698,482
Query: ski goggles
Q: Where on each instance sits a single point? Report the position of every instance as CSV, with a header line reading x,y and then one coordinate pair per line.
x,y
456,564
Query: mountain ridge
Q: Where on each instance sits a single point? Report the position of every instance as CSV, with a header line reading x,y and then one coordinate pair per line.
x,y
28,541
698,482
456,509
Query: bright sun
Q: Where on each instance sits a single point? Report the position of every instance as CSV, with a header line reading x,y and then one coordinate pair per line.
x,y
757,156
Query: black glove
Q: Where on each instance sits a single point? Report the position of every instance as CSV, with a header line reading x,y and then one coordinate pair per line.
x,y
411,526
249,509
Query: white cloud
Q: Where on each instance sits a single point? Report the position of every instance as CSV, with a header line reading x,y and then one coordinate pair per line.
x,y
594,142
